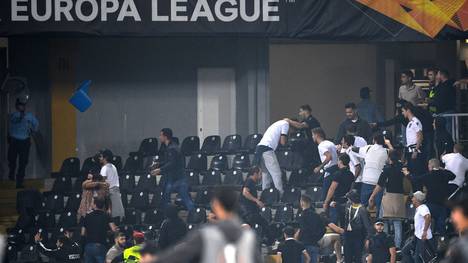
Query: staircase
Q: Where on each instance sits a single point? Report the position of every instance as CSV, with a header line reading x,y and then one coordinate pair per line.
x,y
8,213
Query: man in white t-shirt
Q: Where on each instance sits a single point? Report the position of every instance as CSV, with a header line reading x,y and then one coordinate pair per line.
x,y
109,172
457,164
356,162
265,155
422,230
328,157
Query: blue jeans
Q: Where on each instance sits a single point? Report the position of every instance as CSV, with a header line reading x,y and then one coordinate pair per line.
x,y
313,252
397,231
439,213
181,187
325,186
366,192
94,253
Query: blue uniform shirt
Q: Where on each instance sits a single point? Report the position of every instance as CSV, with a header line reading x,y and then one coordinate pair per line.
x,y
21,128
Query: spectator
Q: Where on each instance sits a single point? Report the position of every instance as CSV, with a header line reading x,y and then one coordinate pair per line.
x,y
117,249
173,171
132,254
414,139
393,201
381,246
444,99
331,241
408,91
437,193
173,228
356,163
458,249
422,231
94,230
352,117
457,164
217,239
328,157
342,180
109,172
148,252
433,82
358,140
311,228
65,252
291,250
375,156
443,139
367,109
21,125
265,155
357,229
94,186
249,201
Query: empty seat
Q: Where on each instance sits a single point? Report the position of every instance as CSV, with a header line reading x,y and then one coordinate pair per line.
x,y
258,231
29,253
251,142
117,162
140,201
148,147
155,198
212,178
16,236
315,193
232,144
45,220
11,253
73,202
233,177
153,217
203,197
297,141
298,178
284,214
133,164
291,196
267,214
127,183
62,184
147,183
197,162
77,186
53,203
285,159
190,145
193,178
219,163
67,219
270,196
241,162
197,216
89,165
211,145
70,167
132,217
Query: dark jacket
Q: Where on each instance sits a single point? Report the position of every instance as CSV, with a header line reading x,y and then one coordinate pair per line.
x,y
445,97
68,253
458,250
360,224
311,226
171,232
443,141
363,129
436,182
172,167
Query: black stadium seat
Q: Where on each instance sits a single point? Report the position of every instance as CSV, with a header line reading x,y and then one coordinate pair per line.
x,y
275,230
291,196
117,162
298,178
62,185
315,193
193,177
219,163
296,141
241,162
232,144
197,162
212,178
197,216
251,142
270,196
68,219
266,213
73,202
70,167
190,145
46,220
140,201
211,145
127,183
53,203
148,147
203,197
89,165
27,200
285,159
146,183
11,253
284,214
132,217
133,164
233,177
155,198
153,217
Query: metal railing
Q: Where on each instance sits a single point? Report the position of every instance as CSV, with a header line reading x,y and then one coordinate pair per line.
x,y
455,121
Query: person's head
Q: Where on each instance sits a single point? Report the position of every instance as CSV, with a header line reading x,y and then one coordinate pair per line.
x,y
459,214
439,124
97,177
354,197
318,135
62,241
348,141
99,203
120,239
343,160
351,129
105,156
458,148
289,232
306,201
255,173
379,226
443,75
171,212
68,232
394,157
378,139
418,198
431,75
350,110
138,237
364,93
407,110
148,252
224,202
20,105
165,136
433,164
305,111
406,77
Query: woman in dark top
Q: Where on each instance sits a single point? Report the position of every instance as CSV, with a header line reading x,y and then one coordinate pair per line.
x,y
443,140
393,201
173,228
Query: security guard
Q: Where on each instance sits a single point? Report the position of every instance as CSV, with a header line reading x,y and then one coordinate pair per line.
x,y
66,251
20,127
132,254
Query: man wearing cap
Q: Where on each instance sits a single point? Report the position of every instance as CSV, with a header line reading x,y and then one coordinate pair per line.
x,y
381,246
21,125
109,172
367,109
422,231
132,254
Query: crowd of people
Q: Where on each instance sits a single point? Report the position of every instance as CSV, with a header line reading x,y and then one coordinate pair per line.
x,y
367,179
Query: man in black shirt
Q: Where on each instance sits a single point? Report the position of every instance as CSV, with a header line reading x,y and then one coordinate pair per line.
x,y
173,228
342,180
94,229
66,251
436,183
381,246
352,117
173,171
444,100
291,251
311,228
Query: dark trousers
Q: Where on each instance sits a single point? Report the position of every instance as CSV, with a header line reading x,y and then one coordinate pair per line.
x,y
417,168
181,187
439,213
354,246
414,251
18,149
94,253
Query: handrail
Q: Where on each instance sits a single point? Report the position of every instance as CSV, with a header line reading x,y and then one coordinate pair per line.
x,y
455,124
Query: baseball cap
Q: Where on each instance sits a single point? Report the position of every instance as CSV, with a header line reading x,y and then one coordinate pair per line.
x,y
379,223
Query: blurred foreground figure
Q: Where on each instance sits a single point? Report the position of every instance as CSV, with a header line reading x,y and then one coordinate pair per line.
x,y
458,251
223,241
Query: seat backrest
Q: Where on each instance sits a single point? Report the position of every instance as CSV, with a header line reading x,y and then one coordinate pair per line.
x,y
29,253
233,177
190,145
154,217
266,213
148,147
62,184
315,193
203,197
117,162
251,141
132,216
73,202
219,163
89,165
211,178
285,159
297,141
291,196
54,202
298,177
134,163
284,214
197,162
140,201
27,200
67,219
232,143
127,183
197,216
46,220
270,196
70,167
146,183
155,198
241,161
193,177
211,145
